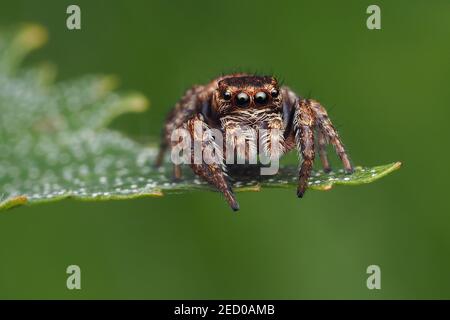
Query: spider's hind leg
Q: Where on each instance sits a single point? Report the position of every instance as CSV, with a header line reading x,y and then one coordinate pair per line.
x,y
183,110
326,127
177,175
161,152
322,147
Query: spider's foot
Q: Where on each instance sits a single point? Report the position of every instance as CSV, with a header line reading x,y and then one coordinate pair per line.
x,y
349,170
327,169
229,196
300,192
235,207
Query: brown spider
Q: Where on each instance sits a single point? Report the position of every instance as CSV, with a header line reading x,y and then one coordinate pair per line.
x,y
240,100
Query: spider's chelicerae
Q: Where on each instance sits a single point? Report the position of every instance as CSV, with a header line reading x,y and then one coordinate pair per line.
x,y
242,100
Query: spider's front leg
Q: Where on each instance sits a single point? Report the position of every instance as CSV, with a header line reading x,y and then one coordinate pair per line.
x,y
304,123
212,171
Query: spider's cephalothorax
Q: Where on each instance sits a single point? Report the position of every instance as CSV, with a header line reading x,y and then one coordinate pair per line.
x,y
243,106
247,104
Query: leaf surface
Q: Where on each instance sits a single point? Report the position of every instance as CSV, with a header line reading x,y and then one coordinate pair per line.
x,y
55,143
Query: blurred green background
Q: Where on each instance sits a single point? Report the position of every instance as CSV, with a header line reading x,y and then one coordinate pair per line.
x,y
387,90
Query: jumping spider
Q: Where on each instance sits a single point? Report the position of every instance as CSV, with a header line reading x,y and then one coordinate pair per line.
x,y
242,99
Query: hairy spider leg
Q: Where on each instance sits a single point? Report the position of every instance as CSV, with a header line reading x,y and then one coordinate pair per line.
x,y
304,138
212,172
326,126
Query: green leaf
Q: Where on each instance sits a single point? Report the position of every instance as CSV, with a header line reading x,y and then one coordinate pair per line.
x,y
55,144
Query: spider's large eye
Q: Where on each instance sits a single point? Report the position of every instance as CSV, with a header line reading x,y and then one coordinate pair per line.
x,y
261,97
242,99
227,95
274,93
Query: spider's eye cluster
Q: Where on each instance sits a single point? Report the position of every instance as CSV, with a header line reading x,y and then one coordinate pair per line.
x,y
261,97
227,95
242,99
